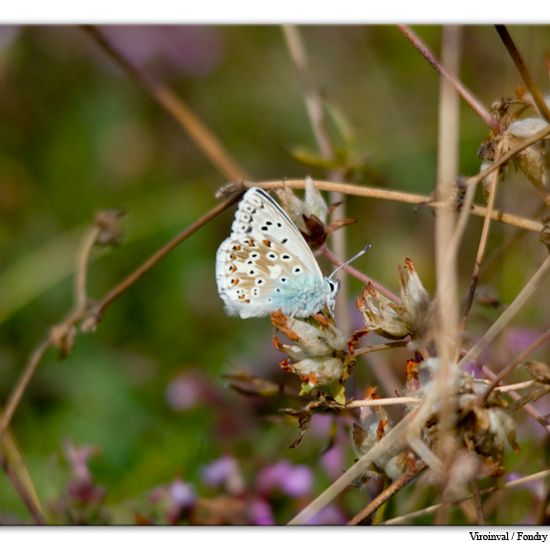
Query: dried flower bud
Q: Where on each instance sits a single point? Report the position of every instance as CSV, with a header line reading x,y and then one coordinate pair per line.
x,y
392,320
532,161
248,384
483,426
110,231
310,215
539,371
392,462
312,205
318,349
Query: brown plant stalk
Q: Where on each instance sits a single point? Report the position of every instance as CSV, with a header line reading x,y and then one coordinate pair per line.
x,y
534,90
483,239
520,358
466,94
205,139
396,196
411,473
316,113
515,483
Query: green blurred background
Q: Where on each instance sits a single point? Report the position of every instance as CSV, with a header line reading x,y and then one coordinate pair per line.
x,y
77,136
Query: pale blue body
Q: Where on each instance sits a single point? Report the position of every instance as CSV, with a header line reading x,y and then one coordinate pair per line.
x,y
304,295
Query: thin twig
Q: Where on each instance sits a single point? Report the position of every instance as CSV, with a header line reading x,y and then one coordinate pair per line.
x,y
396,196
532,285
82,260
22,383
483,239
514,239
22,492
522,356
466,95
382,402
435,507
523,71
146,266
176,108
387,493
517,386
518,399
379,347
316,113
314,104
541,134
476,496
393,440
12,456
358,275
75,315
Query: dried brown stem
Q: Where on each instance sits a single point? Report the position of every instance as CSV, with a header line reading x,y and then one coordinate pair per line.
x,y
529,409
11,455
522,356
316,113
532,285
541,134
523,71
394,439
387,493
379,347
81,273
314,104
466,95
22,492
480,250
397,196
435,507
382,402
514,239
176,108
476,496
22,383
446,340
135,276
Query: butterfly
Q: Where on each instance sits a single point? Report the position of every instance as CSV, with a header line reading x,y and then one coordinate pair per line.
x,y
266,265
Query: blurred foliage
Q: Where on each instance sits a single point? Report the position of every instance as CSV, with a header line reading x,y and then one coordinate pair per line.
x,y
77,136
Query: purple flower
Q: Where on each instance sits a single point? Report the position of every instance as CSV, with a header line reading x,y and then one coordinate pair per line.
x,y
332,461
517,339
330,515
294,481
260,512
192,50
224,472
474,370
182,494
184,392
321,424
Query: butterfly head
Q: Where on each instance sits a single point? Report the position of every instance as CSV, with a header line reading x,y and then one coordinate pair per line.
x,y
332,288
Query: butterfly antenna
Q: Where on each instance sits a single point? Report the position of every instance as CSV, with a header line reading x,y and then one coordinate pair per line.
x,y
352,259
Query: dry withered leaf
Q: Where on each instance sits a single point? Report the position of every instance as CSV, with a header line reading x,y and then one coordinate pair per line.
x,y
248,384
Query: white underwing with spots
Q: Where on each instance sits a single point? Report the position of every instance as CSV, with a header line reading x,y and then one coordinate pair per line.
x,y
266,265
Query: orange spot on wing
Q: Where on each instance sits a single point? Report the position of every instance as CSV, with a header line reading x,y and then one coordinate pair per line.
x,y
267,242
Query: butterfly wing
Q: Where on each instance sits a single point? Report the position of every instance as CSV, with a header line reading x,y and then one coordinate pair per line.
x,y
266,264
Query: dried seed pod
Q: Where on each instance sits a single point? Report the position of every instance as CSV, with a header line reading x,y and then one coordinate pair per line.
x,y
317,352
392,320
